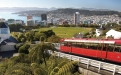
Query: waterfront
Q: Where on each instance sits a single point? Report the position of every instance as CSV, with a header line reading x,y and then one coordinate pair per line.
x,y
9,15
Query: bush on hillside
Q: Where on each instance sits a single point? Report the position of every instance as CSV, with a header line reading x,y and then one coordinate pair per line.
x,y
24,49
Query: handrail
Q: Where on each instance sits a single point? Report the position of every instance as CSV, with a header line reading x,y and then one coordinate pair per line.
x,y
90,62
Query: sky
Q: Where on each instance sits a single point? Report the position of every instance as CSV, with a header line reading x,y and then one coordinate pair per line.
x,y
99,4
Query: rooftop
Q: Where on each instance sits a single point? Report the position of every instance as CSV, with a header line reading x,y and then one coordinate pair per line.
x,y
3,25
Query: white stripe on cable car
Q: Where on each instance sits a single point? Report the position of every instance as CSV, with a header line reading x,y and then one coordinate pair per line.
x,y
91,41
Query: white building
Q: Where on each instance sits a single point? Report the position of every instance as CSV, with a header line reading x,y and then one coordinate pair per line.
x,y
114,34
77,18
7,42
4,31
98,32
11,21
2,20
19,22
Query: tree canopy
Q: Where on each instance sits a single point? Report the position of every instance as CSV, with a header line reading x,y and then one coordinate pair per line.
x,y
38,62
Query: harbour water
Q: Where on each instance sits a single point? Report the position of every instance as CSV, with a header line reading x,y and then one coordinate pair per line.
x,y
9,15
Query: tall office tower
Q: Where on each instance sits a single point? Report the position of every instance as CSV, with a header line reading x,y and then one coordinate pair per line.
x,y
30,21
51,21
29,17
37,22
44,17
76,18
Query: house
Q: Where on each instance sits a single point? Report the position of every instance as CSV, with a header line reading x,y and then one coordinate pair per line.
x,y
98,32
115,34
7,42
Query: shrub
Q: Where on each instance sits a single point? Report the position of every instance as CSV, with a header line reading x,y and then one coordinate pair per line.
x,y
24,49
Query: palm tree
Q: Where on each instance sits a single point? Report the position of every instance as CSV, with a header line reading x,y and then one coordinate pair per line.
x,y
40,52
19,69
44,48
68,67
37,69
56,69
35,54
61,66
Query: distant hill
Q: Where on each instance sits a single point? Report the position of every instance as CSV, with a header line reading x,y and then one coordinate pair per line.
x,y
94,9
18,9
31,12
71,11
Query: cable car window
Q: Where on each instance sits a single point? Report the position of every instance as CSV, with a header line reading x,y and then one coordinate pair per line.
x,y
105,46
78,44
74,44
86,45
65,44
111,47
81,45
91,46
99,46
117,48
62,44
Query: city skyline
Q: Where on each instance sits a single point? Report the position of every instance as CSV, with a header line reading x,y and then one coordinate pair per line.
x,y
97,4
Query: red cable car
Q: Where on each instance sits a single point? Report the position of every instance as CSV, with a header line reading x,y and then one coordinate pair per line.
x,y
107,49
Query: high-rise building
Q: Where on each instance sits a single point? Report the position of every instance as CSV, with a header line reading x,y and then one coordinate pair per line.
x,y
51,20
44,17
29,17
37,22
76,18
30,21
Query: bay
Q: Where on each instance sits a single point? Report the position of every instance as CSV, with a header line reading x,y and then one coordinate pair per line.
x,y
9,15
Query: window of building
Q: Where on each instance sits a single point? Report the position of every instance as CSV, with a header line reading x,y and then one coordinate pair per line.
x,y
4,31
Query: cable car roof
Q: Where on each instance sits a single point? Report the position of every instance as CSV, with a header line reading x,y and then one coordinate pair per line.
x,y
90,41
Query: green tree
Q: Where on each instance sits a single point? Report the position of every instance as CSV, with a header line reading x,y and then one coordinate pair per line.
x,y
24,49
49,33
38,35
21,58
70,66
21,37
40,52
54,39
19,69
3,67
17,46
30,36
42,39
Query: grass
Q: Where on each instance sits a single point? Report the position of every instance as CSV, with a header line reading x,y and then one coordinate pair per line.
x,y
66,32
